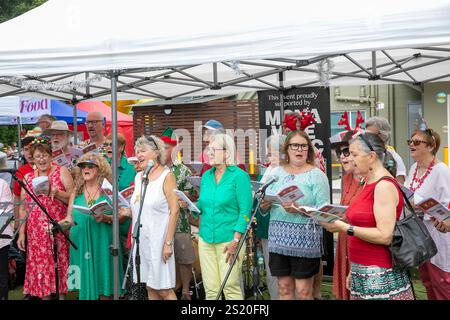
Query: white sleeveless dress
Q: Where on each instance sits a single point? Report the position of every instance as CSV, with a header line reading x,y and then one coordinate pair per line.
x,y
154,220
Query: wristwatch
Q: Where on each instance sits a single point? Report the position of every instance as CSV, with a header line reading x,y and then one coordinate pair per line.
x,y
350,231
169,243
236,240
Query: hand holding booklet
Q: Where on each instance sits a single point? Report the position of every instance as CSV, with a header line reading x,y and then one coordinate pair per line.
x,y
326,213
41,186
286,194
183,197
101,207
435,209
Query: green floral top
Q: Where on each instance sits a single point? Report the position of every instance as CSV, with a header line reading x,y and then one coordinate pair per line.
x,y
181,173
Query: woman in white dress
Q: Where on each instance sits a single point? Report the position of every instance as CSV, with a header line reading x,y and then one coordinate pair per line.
x,y
430,178
158,219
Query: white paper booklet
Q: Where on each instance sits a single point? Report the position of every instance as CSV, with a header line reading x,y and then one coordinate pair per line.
x,y
41,186
123,197
435,208
287,193
183,197
60,158
326,213
101,207
78,152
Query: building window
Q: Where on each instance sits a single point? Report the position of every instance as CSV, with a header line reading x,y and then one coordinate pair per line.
x,y
335,116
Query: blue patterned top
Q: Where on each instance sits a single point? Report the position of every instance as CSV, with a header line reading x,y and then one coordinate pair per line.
x,y
295,234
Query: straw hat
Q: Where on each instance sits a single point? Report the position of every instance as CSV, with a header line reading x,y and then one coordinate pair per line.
x,y
60,126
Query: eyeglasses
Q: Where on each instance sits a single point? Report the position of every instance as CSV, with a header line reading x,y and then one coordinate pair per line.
x,y
415,142
42,156
343,151
107,144
298,146
93,122
87,165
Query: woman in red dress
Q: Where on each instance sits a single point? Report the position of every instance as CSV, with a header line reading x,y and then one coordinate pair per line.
x,y
40,272
350,188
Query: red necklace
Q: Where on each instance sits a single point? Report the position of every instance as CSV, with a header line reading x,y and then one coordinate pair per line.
x,y
419,181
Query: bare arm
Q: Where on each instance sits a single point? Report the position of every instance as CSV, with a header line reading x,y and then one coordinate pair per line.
x,y
67,181
172,199
22,216
385,209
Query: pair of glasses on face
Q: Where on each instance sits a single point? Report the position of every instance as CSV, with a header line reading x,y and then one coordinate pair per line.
x,y
42,156
93,122
416,142
87,165
107,144
344,151
298,146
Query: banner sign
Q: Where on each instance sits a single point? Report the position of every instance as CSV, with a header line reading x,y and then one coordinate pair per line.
x,y
309,99
32,109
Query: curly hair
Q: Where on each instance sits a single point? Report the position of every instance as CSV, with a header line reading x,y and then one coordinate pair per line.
x,y
104,171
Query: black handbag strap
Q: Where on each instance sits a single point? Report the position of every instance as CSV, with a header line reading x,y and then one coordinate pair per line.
x,y
410,207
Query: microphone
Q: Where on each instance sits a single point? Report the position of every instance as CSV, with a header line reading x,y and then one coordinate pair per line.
x,y
267,184
150,165
8,170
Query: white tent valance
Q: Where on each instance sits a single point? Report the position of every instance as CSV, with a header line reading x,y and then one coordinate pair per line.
x,y
177,48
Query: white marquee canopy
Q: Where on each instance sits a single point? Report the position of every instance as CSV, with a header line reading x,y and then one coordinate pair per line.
x,y
166,49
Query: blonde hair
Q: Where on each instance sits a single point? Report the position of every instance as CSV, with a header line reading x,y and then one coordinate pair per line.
x,y
156,144
226,142
104,171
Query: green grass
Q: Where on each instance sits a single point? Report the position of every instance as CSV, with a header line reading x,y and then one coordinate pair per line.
x,y
326,290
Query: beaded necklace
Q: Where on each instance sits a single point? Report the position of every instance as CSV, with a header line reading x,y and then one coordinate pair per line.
x,y
419,181
91,199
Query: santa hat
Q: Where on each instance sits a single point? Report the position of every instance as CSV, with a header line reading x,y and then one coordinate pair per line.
x,y
169,137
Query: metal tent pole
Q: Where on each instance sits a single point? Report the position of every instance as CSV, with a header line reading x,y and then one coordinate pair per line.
x,y
75,121
115,247
281,79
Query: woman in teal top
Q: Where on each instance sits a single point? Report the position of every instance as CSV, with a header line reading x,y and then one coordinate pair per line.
x,y
91,270
295,240
225,203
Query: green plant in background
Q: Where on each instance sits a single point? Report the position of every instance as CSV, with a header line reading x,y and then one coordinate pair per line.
x,y
12,8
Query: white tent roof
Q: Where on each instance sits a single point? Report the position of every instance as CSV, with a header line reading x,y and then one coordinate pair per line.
x,y
166,49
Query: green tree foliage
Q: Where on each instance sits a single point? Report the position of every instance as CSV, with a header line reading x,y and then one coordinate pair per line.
x,y
10,9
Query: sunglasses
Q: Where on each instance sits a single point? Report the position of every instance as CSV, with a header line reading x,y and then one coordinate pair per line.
x,y
87,165
343,151
415,142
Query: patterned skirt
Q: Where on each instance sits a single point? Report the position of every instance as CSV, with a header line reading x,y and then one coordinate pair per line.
x,y
375,283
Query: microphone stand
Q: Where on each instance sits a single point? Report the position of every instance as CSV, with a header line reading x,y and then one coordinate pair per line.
x,y
55,229
136,242
262,194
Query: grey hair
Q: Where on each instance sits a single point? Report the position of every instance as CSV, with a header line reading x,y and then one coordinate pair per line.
x,y
383,126
158,146
226,142
379,148
275,141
